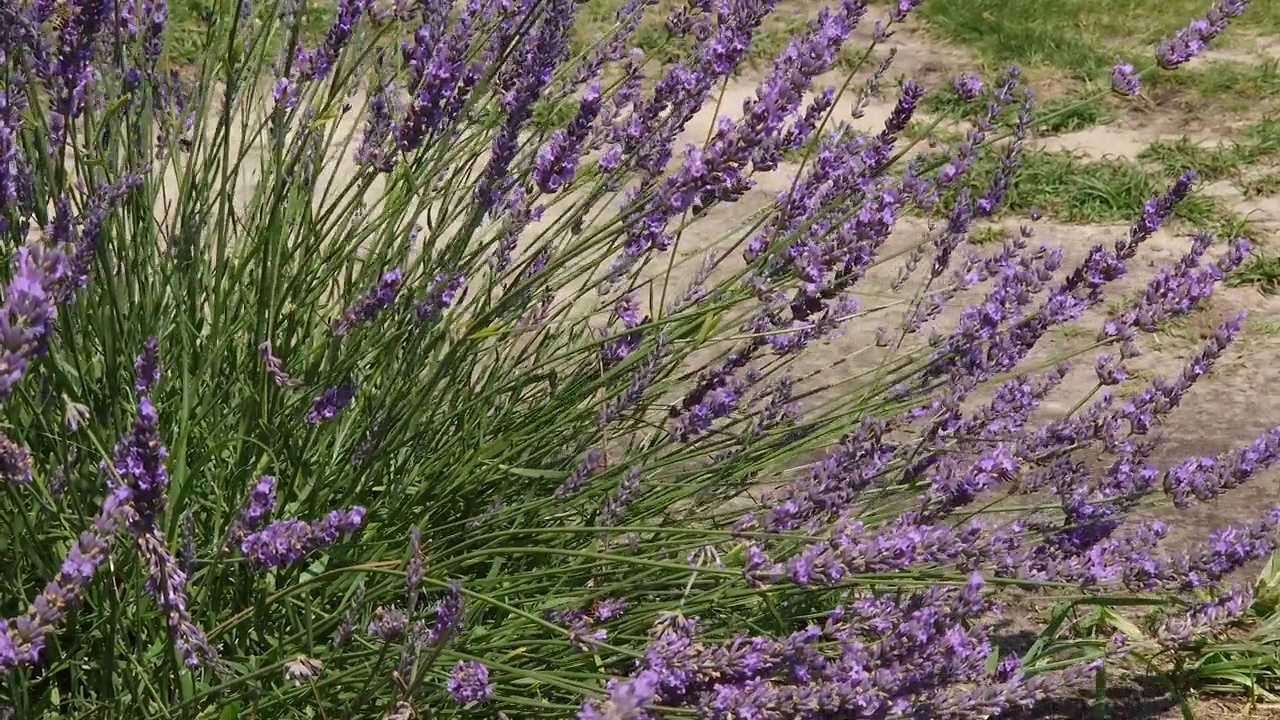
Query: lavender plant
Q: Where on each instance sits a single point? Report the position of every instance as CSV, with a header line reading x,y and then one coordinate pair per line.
x,y
423,404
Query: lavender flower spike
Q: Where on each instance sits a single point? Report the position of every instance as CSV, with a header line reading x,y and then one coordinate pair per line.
x,y
1192,40
388,624
138,465
146,368
367,306
26,317
967,86
448,617
262,500
168,585
330,403
1124,80
469,682
286,542
22,639
442,293
275,367
15,462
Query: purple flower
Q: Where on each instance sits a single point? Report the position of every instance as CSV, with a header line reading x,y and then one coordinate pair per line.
x,y
318,63
628,311
367,306
448,617
379,127
28,311
469,682
262,500
902,8
100,205
284,94
518,85
73,72
15,462
13,165
146,368
616,502
347,625
617,349
138,468
1192,40
1204,619
1124,80
388,624
275,367
441,294
590,463
441,77
286,542
1205,478
139,479
167,583
967,86
23,639
557,160
1109,370
155,15
330,403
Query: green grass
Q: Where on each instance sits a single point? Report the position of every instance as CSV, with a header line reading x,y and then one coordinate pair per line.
x,y
1262,271
189,25
1066,114
1229,86
1069,189
1081,37
989,235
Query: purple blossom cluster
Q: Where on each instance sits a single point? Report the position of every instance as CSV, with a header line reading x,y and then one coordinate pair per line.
x,y
469,682
329,404
29,308
1192,40
287,542
15,462
275,367
878,656
146,368
586,626
444,290
24,638
367,306
138,477
256,510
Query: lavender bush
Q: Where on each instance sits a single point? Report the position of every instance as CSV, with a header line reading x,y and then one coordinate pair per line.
x,y
465,432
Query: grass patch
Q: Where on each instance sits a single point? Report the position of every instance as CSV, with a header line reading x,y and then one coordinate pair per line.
x,y
989,235
1259,141
1072,190
189,21
1230,86
1083,37
1211,163
1061,115
1071,113
1261,270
